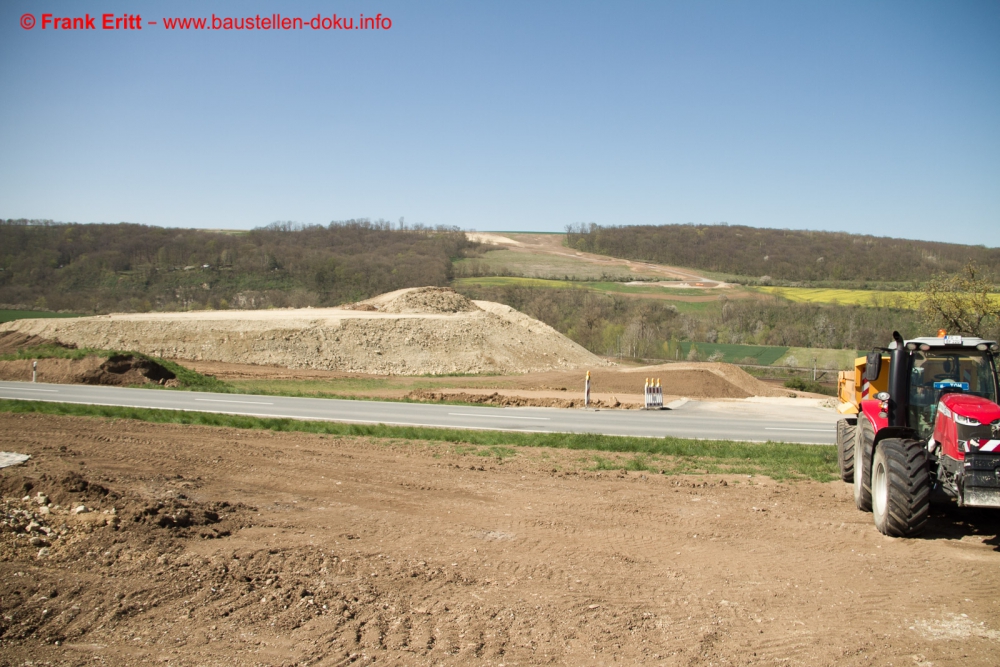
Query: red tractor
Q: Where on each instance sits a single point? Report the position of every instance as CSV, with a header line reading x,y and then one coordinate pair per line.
x,y
932,426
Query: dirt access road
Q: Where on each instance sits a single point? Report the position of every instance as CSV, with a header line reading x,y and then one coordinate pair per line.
x,y
552,244
230,547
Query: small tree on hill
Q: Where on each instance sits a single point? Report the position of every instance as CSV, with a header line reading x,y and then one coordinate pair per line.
x,y
961,304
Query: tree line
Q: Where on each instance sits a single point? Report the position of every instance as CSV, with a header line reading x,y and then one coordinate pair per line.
x,y
783,255
98,268
634,327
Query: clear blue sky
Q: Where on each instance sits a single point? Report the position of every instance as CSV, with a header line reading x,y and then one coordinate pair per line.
x,y
879,117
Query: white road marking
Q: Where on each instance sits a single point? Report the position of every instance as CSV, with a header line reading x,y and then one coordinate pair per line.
x,y
468,414
220,400
811,430
51,391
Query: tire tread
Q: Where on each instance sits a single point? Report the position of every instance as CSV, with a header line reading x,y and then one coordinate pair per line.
x,y
846,433
865,436
909,487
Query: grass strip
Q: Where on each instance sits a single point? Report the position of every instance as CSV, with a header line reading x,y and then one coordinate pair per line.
x,y
668,455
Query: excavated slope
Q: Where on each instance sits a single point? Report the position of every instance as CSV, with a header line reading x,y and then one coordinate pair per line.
x,y
408,332
705,379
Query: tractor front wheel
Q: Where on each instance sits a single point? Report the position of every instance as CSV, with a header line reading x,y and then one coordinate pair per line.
x,y
901,487
845,448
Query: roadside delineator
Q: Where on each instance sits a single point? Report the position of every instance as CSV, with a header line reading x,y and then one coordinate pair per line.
x,y
653,395
586,391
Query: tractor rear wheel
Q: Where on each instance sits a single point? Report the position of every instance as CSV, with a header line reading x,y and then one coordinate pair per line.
x,y
864,437
901,487
845,448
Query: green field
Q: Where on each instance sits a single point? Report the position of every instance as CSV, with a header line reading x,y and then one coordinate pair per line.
x,y
763,355
804,357
11,315
538,265
512,281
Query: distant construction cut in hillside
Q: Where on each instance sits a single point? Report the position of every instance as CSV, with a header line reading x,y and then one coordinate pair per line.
x,y
412,331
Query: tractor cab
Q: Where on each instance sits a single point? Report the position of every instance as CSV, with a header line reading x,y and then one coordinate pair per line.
x,y
937,369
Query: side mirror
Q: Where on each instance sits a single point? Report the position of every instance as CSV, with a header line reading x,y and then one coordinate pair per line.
x,y
873,365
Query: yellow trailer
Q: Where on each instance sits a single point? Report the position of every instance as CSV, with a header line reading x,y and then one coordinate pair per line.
x,y
851,385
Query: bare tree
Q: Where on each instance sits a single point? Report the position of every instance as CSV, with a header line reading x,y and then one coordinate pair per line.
x,y
962,303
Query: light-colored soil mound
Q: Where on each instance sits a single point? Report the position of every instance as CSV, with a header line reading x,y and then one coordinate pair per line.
x,y
489,339
419,300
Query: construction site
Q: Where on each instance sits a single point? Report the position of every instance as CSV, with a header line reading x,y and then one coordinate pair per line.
x,y
125,542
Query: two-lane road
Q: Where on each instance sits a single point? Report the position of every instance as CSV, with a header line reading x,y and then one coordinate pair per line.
x,y
731,421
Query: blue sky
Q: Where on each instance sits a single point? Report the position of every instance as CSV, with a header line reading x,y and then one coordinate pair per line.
x,y
875,117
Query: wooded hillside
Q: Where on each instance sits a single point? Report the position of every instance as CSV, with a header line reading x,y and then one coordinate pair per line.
x,y
98,268
783,255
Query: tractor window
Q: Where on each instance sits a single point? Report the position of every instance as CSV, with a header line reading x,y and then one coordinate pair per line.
x,y
949,369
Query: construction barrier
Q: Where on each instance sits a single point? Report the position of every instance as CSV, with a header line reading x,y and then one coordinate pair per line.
x,y
653,395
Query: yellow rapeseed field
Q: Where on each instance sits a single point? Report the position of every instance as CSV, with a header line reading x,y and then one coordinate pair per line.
x,y
847,297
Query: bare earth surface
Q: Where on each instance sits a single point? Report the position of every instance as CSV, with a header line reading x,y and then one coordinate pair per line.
x,y
552,244
229,547
407,332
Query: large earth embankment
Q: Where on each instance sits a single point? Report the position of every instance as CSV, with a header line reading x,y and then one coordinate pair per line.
x,y
408,332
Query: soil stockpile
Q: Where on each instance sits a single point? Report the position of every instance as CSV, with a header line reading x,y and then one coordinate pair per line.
x,y
419,301
121,370
213,546
408,332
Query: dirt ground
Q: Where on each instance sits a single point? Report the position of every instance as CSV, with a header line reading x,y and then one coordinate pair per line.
x,y
209,546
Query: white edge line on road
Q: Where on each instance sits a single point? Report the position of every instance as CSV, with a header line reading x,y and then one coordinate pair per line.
x,y
811,430
367,421
220,400
50,391
467,414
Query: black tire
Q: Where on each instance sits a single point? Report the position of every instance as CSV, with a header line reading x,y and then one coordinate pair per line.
x,y
864,437
901,487
846,429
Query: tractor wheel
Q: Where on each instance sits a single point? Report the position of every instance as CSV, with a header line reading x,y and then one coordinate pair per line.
x,y
901,487
864,437
845,449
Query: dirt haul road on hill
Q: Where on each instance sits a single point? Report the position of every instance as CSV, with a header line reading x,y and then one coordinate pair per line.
x,y
211,546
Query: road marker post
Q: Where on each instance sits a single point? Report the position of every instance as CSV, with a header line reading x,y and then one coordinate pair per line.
x,y
34,371
586,391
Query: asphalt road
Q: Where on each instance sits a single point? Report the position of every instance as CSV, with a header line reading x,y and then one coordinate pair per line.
x,y
731,420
